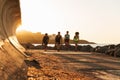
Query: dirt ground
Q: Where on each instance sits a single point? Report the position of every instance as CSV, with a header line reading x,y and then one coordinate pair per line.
x,y
50,67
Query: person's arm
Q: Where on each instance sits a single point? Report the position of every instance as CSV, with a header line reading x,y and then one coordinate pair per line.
x,y
55,40
61,40
69,37
64,38
74,38
47,39
78,38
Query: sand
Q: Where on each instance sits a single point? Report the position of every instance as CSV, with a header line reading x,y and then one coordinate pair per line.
x,y
50,66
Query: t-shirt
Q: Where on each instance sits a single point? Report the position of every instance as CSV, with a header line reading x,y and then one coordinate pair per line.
x,y
58,38
45,39
76,38
67,36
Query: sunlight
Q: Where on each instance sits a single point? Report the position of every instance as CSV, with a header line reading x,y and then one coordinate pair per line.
x,y
40,16
20,28
24,28
93,20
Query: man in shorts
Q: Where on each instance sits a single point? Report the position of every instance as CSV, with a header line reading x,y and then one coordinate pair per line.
x,y
58,41
67,39
45,41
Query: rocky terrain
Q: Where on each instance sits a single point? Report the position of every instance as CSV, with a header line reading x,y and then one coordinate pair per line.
x,y
112,50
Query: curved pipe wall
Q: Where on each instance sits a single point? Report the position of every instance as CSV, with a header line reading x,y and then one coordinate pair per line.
x,y
12,66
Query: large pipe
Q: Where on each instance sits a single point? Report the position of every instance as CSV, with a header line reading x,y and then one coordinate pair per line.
x,y
12,65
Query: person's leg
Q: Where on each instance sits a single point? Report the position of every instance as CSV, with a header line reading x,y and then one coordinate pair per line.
x,y
67,45
45,47
76,46
58,47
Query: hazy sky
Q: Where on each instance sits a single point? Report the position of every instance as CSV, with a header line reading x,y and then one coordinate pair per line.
x,y
95,20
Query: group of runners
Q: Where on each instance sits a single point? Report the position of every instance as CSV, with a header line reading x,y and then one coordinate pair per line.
x,y
58,40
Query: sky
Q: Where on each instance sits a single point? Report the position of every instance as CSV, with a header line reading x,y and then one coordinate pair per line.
x,y
96,20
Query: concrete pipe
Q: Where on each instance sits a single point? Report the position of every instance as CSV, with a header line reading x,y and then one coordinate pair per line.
x,y
12,65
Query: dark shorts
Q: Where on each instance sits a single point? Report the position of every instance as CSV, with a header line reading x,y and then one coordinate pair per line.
x,y
67,40
57,42
45,43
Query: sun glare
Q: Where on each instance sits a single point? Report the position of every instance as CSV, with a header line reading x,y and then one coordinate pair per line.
x,y
51,16
20,28
40,16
